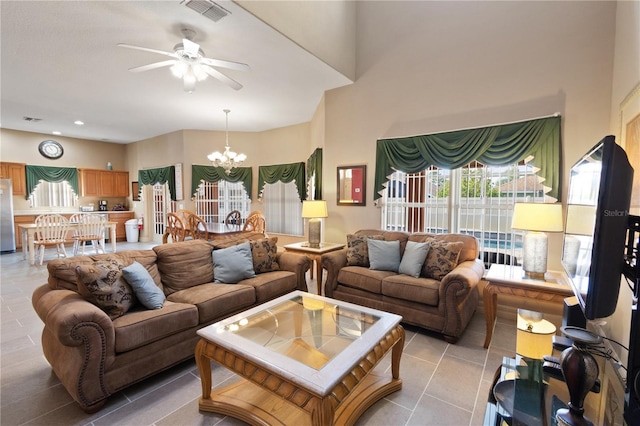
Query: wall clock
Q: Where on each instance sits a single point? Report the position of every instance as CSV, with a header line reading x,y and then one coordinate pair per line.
x,y
50,149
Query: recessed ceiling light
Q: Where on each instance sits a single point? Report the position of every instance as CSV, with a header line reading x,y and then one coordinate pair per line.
x,y
56,132
79,123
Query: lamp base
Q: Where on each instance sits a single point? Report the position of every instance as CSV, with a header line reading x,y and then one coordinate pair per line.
x,y
534,275
565,417
314,233
534,254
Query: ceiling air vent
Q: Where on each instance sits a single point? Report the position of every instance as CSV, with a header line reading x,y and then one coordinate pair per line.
x,y
32,119
207,8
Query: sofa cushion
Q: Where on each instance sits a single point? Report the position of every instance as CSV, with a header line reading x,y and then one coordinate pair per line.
x,y
363,278
184,264
145,289
384,255
101,283
441,259
270,285
469,250
264,252
233,264
357,249
216,301
421,290
413,258
141,326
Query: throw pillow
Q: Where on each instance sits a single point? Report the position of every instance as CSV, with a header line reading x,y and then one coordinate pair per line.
x,y
145,289
264,253
442,258
103,282
357,249
384,255
233,264
413,258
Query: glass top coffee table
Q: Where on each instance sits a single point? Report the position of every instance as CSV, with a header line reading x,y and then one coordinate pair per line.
x,y
304,359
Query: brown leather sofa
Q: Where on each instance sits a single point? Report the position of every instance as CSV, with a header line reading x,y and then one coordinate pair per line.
x,y
445,306
95,356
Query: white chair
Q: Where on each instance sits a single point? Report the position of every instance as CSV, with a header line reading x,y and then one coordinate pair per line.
x,y
75,219
51,230
91,227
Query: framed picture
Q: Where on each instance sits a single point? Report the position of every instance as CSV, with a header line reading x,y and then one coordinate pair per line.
x,y
134,191
352,181
629,139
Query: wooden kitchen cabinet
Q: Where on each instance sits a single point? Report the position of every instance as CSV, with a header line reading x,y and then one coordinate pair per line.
x,y
103,183
15,172
120,218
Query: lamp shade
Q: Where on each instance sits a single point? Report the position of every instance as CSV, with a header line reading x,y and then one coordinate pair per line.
x,y
314,209
534,338
541,217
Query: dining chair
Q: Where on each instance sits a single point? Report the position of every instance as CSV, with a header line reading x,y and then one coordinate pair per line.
x,y
233,219
174,229
51,230
195,227
91,227
74,219
255,222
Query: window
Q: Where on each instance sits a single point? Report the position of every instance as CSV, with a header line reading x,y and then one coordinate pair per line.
x,y
475,200
215,200
162,205
283,208
53,194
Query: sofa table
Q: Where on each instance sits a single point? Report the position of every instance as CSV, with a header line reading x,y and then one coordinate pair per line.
x,y
507,279
304,360
315,254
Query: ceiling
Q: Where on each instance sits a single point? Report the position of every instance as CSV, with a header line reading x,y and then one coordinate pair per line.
x,y
60,62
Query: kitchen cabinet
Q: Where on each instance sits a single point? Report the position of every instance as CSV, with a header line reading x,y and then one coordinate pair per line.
x,y
103,183
15,172
120,218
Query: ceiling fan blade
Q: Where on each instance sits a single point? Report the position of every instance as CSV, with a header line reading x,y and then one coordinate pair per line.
x,y
154,66
225,64
146,49
190,47
223,78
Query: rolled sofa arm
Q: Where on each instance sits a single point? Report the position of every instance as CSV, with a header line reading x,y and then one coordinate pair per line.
x,y
459,294
333,262
296,263
78,340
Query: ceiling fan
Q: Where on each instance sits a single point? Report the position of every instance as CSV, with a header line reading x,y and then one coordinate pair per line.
x,y
190,64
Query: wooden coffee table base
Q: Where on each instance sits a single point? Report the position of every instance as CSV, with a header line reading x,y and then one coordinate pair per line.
x,y
267,398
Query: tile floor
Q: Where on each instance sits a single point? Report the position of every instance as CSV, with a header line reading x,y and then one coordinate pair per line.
x,y
443,384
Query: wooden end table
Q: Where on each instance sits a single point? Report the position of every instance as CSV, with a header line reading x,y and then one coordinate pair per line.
x,y
506,279
315,255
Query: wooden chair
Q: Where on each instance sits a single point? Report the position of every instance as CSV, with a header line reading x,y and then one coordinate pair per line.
x,y
75,218
233,219
91,227
255,223
195,227
51,230
174,229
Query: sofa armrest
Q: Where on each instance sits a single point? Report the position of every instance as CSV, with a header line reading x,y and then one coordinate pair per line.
x,y
466,276
333,262
459,295
78,340
296,263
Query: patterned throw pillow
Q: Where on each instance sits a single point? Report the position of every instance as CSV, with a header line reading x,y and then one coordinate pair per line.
x,y
442,258
264,255
102,284
357,249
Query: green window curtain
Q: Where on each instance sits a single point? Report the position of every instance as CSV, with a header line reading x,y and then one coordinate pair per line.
x,y
215,174
314,165
35,174
495,146
159,175
285,173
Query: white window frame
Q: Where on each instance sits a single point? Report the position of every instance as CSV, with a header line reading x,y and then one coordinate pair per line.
x,y
53,194
215,200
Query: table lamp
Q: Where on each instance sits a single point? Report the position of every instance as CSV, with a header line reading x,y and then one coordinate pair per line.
x,y
314,210
536,218
534,337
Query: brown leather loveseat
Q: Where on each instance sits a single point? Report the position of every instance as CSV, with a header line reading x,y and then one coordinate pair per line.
x,y
442,297
95,355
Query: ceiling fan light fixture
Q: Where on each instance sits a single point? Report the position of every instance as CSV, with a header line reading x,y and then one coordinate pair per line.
x,y
228,159
179,69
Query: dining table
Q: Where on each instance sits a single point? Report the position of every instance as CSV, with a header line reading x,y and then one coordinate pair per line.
x,y
222,230
28,231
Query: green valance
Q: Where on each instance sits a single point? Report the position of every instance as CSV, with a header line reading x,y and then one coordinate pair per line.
x,y
314,165
496,145
34,174
215,174
284,173
159,175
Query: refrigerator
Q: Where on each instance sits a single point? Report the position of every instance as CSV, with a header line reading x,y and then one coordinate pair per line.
x,y
7,229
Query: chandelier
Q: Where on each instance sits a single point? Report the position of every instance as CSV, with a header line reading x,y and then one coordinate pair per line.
x,y
228,159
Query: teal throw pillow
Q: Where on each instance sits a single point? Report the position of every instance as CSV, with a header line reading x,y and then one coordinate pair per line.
x,y
233,264
145,289
384,255
413,258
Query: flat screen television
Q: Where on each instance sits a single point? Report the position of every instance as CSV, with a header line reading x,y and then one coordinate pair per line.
x,y
596,226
